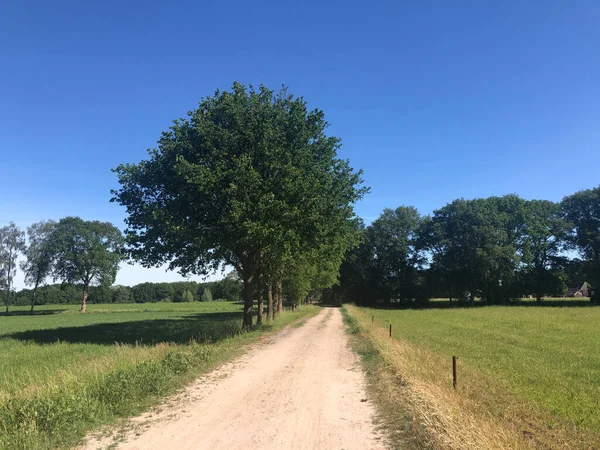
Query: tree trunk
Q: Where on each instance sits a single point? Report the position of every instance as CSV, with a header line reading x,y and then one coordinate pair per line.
x,y
248,301
279,297
33,298
8,280
275,301
538,288
270,303
259,300
84,299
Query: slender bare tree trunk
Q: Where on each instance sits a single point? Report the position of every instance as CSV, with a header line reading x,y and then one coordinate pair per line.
x,y
260,304
33,298
248,301
279,297
270,303
8,280
275,301
84,299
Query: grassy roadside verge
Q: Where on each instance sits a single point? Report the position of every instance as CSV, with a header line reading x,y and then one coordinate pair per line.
x,y
61,417
413,382
386,389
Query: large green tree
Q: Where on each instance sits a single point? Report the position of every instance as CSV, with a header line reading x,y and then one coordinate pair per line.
x,y
387,265
121,294
86,252
582,211
477,244
163,292
12,244
357,272
247,172
144,293
39,256
396,258
228,288
543,242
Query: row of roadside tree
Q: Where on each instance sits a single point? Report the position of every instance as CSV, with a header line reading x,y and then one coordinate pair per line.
x,y
496,249
249,180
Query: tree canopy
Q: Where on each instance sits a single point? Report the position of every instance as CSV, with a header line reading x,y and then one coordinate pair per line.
x,y
39,255
476,242
86,252
12,244
543,245
582,212
249,179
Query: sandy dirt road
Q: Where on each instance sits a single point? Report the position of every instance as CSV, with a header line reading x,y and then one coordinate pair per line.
x,y
301,389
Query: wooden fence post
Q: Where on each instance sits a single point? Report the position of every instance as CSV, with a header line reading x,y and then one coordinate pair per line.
x,y
454,358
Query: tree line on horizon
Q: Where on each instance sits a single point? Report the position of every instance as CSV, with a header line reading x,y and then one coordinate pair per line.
x,y
228,288
496,249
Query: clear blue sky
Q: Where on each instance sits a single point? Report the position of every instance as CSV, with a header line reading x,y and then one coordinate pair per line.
x,y
433,100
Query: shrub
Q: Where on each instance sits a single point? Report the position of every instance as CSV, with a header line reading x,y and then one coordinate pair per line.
x,y
206,295
183,296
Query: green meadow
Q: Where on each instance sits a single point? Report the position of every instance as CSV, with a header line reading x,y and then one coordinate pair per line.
x,y
546,355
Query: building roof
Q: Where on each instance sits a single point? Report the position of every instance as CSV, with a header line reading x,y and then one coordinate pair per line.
x,y
577,287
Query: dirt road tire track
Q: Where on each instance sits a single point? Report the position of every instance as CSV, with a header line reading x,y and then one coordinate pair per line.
x,y
302,390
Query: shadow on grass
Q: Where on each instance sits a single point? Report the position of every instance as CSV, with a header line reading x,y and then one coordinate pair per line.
x,y
41,312
202,327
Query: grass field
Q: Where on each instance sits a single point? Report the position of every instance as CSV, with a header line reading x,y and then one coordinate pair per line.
x,y
538,368
63,373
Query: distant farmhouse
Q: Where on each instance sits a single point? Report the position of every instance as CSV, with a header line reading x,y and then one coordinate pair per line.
x,y
582,289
